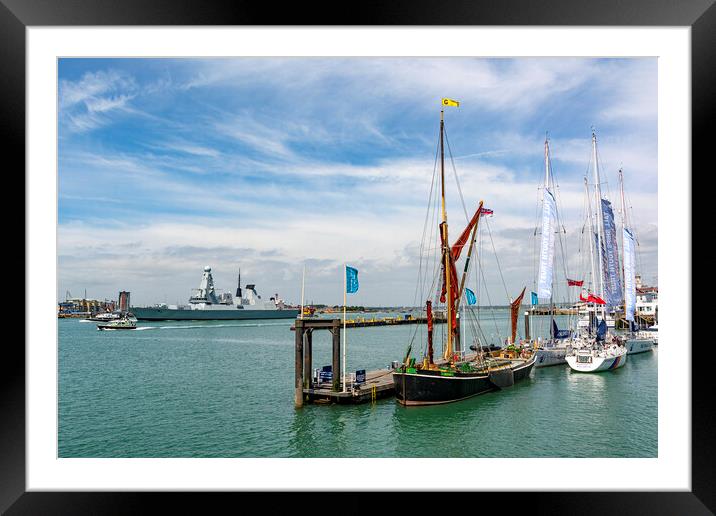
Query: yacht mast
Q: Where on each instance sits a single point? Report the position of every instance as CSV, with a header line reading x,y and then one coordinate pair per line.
x,y
591,234
600,221
626,234
621,191
547,177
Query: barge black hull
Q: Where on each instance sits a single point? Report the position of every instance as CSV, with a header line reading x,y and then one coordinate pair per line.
x,y
434,388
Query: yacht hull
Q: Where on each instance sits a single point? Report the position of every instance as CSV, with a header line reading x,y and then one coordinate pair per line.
x,y
597,363
551,357
635,346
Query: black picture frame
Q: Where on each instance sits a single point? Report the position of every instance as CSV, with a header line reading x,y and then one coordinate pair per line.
x,y
17,15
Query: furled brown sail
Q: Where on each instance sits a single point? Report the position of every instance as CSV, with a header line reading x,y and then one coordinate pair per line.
x,y
515,308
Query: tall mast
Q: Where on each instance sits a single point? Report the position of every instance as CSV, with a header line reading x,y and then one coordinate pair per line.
x,y
600,220
621,191
547,167
591,232
446,246
547,174
624,226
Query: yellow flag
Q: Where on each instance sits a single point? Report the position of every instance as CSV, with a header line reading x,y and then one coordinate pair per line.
x,y
450,102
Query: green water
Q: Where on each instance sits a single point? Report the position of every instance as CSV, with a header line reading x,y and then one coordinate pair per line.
x,y
223,389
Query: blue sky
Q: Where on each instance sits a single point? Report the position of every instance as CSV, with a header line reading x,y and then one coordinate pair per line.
x,y
167,165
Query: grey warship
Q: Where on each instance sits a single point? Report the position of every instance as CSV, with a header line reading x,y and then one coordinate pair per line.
x,y
205,304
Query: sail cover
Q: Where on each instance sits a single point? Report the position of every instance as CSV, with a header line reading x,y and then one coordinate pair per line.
x,y
559,334
610,257
602,330
546,256
629,275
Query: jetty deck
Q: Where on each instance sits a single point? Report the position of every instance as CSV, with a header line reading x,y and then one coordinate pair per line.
x,y
378,384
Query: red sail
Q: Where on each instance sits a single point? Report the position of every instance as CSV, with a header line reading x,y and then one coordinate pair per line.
x,y
460,242
515,308
455,251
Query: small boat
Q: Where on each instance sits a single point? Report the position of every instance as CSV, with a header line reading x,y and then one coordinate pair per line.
x,y
457,375
125,323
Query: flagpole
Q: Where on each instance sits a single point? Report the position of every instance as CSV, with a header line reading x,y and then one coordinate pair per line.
x,y
303,286
345,286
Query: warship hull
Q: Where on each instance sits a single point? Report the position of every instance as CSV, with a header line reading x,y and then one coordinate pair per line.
x,y
232,314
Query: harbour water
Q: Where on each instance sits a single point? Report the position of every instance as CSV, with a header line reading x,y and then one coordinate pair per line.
x,y
225,389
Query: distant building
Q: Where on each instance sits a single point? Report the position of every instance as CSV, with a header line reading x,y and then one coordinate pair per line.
x,y
82,306
647,298
123,301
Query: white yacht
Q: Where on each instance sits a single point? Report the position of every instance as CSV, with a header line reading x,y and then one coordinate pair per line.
x,y
597,358
553,350
601,351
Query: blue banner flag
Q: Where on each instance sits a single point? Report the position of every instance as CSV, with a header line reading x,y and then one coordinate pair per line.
x,y
351,280
535,301
610,258
471,299
546,256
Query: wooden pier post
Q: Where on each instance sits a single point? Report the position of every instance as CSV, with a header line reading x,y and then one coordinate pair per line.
x,y
308,359
336,367
298,396
527,326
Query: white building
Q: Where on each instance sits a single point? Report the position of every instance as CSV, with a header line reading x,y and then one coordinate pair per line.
x,y
647,299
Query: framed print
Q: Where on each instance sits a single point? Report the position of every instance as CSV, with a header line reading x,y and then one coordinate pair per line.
x,y
531,167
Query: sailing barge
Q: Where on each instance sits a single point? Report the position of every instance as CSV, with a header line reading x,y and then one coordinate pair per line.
x,y
458,375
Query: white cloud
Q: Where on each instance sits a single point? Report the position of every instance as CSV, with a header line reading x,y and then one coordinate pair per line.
x,y
331,168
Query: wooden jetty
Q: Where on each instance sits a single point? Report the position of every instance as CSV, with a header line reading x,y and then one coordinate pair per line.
x,y
555,311
378,384
363,322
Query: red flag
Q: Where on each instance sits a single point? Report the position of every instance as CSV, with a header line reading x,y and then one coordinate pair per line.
x,y
486,211
592,299
574,282
596,299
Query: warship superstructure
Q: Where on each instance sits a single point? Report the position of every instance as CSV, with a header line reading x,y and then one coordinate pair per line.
x,y
206,303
